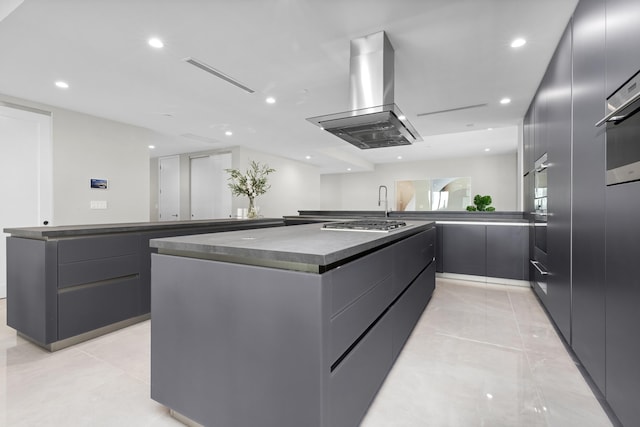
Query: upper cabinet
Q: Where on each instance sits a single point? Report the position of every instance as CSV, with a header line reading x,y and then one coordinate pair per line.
x,y
622,42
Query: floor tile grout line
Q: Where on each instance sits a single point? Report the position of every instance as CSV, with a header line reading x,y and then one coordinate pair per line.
x,y
479,342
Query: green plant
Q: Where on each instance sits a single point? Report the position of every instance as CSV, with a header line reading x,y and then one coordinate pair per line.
x,y
481,204
252,183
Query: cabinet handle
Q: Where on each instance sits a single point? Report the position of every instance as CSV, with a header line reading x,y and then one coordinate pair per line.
x,y
617,110
537,264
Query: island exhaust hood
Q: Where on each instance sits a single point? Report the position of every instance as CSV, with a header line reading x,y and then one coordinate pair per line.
x,y
374,121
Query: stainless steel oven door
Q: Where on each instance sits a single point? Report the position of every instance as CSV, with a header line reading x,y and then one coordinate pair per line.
x,y
623,133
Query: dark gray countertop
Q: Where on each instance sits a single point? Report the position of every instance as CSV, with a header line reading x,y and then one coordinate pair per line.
x,y
305,244
97,229
461,216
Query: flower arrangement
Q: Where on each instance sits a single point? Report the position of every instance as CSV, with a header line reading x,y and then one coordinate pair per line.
x,y
252,183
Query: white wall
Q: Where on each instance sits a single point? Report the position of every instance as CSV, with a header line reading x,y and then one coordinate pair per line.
x,y
294,185
86,147
492,175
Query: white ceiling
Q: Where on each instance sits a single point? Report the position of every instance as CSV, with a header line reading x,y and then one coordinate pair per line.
x,y
448,54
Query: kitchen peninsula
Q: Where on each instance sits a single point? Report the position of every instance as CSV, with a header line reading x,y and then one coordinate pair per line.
x,y
67,284
284,326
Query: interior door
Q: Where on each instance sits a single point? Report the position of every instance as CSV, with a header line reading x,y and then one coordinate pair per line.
x,y
169,187
25,174
210,194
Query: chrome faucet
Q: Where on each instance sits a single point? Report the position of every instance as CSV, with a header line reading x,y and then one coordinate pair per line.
x,y
386,199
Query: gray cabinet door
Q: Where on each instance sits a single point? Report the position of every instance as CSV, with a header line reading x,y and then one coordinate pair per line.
x,y
558,80
464,249
623,42
507,252
588,192
623,301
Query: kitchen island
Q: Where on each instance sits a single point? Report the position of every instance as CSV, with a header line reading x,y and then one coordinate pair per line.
x,y
286,326
67,284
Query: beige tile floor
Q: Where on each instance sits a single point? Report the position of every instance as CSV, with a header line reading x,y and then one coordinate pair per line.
x,y
481,355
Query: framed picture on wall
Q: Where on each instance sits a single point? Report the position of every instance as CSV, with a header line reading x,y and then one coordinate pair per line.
x,y
99,184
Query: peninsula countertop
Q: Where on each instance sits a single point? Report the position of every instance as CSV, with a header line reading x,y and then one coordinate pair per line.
x,y
44,233
305,244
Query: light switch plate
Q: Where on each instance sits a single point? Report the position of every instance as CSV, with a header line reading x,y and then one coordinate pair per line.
x,y
98,204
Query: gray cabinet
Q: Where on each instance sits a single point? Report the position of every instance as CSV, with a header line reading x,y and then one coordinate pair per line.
x,y
72,284
464,249
507,252
622,42
558,124
588,190
243,345
623,301
498,251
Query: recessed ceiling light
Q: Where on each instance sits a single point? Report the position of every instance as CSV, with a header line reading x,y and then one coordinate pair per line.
x,y
401,117
487,149
489,128
505,101
156,42
348,169
399,157
270,100
307,157
228,133
152,147
62,85
518,42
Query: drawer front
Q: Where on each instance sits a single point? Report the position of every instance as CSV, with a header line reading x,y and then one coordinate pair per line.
x,y
407,310
350,323
355,382
82,272
411,256
353,279
88,308
88,248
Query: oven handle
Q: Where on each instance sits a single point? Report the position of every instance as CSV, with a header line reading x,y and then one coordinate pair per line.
x,y
617,110
536,264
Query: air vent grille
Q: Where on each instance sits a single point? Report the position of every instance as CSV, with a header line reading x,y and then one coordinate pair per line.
x,y
200,138
209,69
468,107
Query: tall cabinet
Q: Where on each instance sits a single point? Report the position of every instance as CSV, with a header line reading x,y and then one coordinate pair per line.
x,y
547,128
622,248
593,234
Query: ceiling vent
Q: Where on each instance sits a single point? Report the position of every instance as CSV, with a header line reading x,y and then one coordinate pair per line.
x,y
450,110
209,69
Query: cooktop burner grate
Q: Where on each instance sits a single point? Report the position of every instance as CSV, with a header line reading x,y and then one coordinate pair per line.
x,y
365,225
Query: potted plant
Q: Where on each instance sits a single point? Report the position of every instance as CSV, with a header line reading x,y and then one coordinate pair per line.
x,y
252,183
481,204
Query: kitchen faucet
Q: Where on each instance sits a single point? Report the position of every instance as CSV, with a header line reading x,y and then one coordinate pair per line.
x,y
386,199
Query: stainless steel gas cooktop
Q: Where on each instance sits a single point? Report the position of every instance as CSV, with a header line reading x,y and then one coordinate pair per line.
x,y
379,226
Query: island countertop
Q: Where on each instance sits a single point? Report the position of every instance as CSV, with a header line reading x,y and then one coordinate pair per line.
x,y
304,245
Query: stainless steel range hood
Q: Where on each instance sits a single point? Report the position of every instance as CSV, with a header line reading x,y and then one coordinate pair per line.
x,y
374,120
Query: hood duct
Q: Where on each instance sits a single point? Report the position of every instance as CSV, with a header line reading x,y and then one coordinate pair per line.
x,y
374,120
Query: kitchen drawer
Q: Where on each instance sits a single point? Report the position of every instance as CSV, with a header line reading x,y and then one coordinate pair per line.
x,y
88,248
350,281
77,273
88,308
410,257
409,307
351,322
355,382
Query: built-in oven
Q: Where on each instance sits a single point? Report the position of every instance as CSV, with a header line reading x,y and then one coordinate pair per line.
x,y
539,256
623,128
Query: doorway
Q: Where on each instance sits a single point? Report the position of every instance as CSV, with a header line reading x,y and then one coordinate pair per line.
x,y
26,173
210,194
169,189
